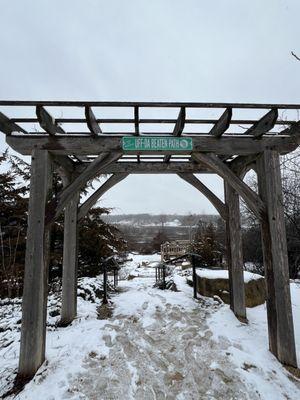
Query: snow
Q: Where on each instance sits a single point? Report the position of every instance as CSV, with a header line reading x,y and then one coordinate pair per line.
x,y
174,223
157,345
247,346
223,274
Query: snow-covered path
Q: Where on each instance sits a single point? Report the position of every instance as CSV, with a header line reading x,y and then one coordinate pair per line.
x,y
160,348
158,345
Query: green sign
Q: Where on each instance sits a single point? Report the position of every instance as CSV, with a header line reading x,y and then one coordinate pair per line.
x,y
154,143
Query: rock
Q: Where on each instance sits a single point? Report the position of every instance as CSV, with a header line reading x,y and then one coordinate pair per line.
x,y
255,290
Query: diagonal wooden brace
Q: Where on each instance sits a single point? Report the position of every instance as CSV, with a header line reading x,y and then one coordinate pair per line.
x,y
254,202
216,202
91,201
57,204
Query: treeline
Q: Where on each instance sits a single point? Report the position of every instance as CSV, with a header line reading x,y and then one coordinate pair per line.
x,y
208,237
96,239
207,240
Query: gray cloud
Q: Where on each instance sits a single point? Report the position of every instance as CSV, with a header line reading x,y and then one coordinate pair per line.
x,y
151,50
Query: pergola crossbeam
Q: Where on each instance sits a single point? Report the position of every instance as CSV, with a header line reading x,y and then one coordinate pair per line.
x,y
146,104
86,145
47,122
154,168
264,125
91,122
178,129
148,121
7,126
293,130
136,126
136,121
222,124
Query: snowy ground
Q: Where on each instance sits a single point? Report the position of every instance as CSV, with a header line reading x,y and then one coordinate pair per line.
x,y
157,345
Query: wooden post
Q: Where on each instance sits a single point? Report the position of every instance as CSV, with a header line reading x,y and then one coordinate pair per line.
x,y
236,270
194,277
115,277
104,301
34,305
164,276
280,318
69,276
228,251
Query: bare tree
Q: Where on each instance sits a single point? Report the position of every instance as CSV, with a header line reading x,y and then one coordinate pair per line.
x,y
295,55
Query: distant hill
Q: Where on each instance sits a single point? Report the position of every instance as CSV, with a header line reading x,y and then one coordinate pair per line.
x,y
140,229
160,220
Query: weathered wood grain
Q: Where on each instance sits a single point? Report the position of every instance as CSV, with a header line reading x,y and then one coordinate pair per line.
x,y
236,269
136,126
268,264
274,245
264,125
69,270
136,121
47,122
8,127
150,121
242,164
132,167
228,250
75,103
178,129
293,130
34,305
155,168
65,162
91,122
222,124
86,145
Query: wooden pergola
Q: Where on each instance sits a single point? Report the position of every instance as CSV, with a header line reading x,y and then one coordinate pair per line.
x,y
224,148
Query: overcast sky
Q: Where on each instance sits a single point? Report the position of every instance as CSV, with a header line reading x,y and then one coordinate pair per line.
x,y
158,50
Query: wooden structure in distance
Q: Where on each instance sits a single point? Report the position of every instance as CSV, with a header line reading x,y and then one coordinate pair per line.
x,y
220,147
